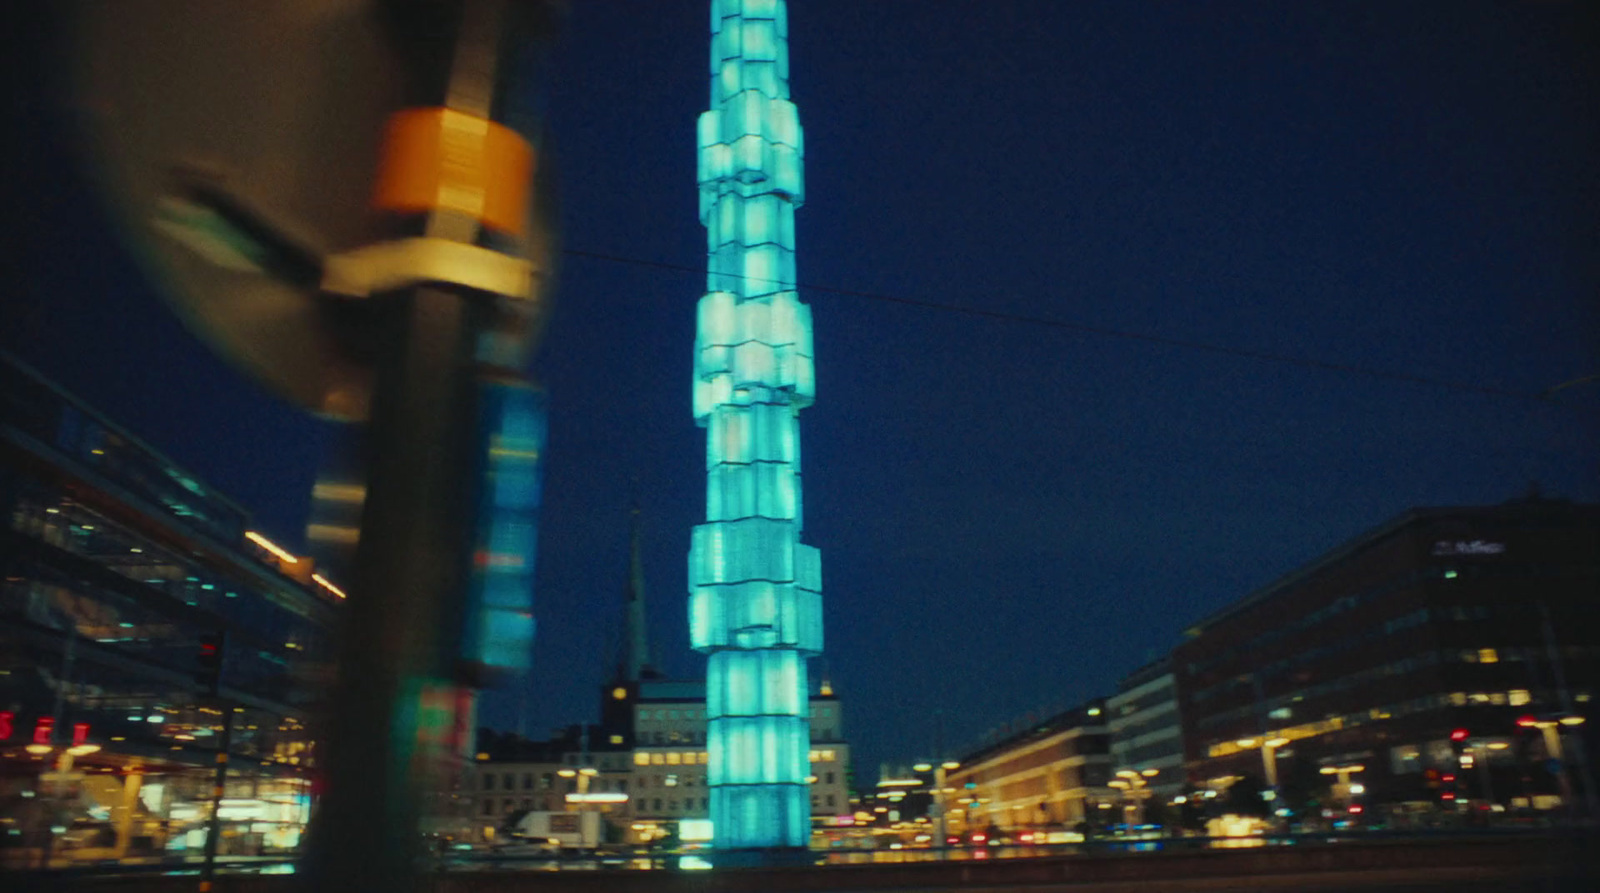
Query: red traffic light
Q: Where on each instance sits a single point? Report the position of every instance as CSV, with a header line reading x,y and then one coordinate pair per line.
x,y
1460,735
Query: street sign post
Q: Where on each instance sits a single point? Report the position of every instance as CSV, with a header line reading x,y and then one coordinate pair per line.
x,y
342,198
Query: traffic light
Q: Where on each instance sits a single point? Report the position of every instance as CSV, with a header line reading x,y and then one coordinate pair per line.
x,y
208,660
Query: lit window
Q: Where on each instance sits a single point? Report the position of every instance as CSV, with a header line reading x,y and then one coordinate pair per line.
x,y
674,758
657,759
1488,656
1518,696
616,739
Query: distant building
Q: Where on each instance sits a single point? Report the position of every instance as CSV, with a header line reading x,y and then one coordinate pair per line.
x,y
138,614
1342,682
650,746
666,725
1053,773
1147,734
511,776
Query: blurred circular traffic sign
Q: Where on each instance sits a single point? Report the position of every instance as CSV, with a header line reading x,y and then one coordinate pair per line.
x,y
237,145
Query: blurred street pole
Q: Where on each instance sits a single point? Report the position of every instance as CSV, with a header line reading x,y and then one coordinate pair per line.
x,y
444,173
339,196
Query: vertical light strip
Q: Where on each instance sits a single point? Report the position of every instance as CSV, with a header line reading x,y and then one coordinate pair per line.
x,y
755,602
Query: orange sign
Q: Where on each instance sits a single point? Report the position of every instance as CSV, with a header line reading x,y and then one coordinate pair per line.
x,y
439,158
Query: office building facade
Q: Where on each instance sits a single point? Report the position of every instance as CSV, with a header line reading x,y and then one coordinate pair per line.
x,y
1421,666
1147,735
143,624
1054,774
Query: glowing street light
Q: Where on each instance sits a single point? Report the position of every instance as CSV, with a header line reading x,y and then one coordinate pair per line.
x,y
1344,789
1135,785
1550,728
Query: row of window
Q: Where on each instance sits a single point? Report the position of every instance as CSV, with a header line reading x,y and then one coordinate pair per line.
x,y
1424,704
670,714
698,736
670,758
35,407
1150,700
1310,655
1279,707
1069,747
1338,606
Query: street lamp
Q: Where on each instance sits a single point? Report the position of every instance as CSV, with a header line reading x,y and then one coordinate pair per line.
x,y
1135,784
1343,788
939,790
1269,760
1550,728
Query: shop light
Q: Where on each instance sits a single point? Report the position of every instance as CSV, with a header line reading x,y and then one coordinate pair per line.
x,y
270,546
598,797
322,581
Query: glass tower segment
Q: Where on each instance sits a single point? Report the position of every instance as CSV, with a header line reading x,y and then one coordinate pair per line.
x,y
755,602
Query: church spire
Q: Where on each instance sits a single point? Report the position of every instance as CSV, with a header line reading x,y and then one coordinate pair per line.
x,y
636,627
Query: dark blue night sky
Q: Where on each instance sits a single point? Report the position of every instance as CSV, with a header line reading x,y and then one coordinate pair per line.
x,y
1012,514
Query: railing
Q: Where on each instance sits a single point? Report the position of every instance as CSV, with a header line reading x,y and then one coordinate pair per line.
x,y
1354,850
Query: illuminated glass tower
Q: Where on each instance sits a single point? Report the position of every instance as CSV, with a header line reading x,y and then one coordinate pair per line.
x,y
755,602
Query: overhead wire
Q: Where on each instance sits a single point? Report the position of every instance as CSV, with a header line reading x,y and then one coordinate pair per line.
x,y
1068,325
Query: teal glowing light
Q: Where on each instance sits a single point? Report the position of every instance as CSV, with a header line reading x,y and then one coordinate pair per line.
x,y
755,590
500,626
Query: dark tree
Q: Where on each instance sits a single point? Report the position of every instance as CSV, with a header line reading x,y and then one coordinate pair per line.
x,y
1244,797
